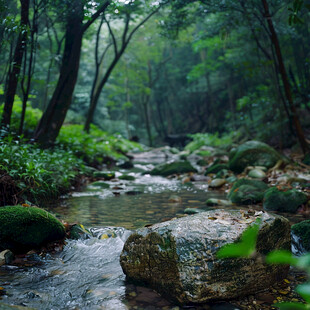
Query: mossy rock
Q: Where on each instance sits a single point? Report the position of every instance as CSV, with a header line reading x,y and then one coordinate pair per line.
x,y
289,201
302,230
176,167
246,191
253,153
127,177
100,184
202,162
215,168
26,228
306,160
78,231
107,175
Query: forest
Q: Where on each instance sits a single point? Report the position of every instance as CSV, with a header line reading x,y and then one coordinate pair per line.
x,y
124,121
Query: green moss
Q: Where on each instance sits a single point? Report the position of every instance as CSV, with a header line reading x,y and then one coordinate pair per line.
x,y
25,228
104,174
79,232
100,184
306,160
302,230
253,153
289,201
176,167
127,177
216,168
246,191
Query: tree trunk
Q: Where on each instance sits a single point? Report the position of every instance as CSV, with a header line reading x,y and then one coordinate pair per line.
x,y
274,39
54,116
14,72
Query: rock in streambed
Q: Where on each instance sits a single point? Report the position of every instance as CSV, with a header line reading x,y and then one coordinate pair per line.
x,y
26,228
178,257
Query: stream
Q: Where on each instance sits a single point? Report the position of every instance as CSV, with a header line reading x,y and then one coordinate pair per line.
x,y
87,273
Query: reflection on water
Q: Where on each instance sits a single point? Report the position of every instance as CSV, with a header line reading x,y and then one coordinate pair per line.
x,y
133,204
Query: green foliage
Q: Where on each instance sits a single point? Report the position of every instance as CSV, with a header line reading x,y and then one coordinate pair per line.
x,y
246,249
32,116
39,173
97,146
207,139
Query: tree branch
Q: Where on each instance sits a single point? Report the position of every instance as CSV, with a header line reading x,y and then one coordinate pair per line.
x,y
100,10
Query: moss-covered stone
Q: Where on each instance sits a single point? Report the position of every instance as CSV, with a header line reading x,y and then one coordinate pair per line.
x,y
246,191
288,201
100,184
25,228
306,160
107,175
78,231
127,177
302,230
253,153
176,167
216,168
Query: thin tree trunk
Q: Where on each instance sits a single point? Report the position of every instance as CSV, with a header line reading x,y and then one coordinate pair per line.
x,y
14,73
54,116
274,38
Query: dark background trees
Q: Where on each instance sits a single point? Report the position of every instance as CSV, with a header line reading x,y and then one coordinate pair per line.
x,y
189,67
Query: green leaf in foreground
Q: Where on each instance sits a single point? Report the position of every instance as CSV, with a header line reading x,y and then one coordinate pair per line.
x,y
281,257
246,246
304,291
291,306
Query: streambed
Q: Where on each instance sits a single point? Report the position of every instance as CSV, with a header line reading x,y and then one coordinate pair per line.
x,y
87,274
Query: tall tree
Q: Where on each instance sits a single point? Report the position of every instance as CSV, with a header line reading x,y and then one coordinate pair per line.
x,y
54,116
15,65
129,14
287,88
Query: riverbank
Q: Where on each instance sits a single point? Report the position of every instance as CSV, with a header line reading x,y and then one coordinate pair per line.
x,y
30,175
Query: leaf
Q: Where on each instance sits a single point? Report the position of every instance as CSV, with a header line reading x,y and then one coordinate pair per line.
x,y
290,306
246,246
281,257
304,291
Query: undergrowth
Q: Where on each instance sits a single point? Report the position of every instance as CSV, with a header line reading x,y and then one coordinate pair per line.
x,y
97,146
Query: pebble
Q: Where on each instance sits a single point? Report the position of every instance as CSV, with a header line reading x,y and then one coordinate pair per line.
x,y
257,173
217,183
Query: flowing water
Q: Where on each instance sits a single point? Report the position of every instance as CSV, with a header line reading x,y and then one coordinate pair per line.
x,y
87,273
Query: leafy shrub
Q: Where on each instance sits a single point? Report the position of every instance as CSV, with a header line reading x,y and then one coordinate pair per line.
x,y
207,139
37,172
97,146
32,116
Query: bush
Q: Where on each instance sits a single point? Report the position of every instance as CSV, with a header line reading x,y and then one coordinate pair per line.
x,y
97,146
37,172
207,139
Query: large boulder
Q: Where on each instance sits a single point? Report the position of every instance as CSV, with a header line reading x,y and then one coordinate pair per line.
x,y
246,191
283,201
253,153
176,167
25,228
178,257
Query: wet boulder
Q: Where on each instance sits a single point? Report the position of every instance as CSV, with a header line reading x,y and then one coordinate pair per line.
x,y
176,167
283,201
302,231
246,191
178,257
253,153
216,168
25,228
